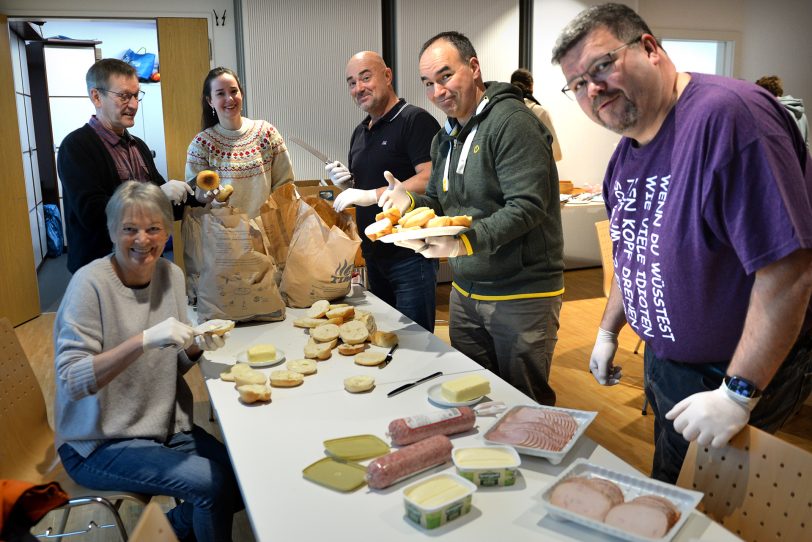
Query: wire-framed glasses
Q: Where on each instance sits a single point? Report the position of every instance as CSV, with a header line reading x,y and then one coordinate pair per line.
x,y
124,97
599,70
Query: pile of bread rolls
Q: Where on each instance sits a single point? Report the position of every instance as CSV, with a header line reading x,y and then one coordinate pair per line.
x,y
391,221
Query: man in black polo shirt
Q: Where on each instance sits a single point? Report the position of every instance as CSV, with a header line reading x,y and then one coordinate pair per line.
x,y
394,137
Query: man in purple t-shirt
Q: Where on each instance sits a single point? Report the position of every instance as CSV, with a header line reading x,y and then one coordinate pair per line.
x,y
709,195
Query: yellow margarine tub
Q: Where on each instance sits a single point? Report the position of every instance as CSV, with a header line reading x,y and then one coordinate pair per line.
x,y
487,465
437,500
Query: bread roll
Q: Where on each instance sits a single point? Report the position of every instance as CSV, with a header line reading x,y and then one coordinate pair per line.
x,y
368,320
464,220
251,393
303,366
353,332
286,379
249,377
309,322
439,222
338,305
358,384
378,229
318,309
345,313
385,339
393,214
320,352
370,359
351,349
325,333
228,376
215,327
224,193
208,180
417,217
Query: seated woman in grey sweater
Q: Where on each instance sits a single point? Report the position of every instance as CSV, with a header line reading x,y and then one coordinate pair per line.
x,y
123,342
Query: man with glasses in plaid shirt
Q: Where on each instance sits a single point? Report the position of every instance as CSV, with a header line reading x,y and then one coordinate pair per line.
x,y
99,156
709,194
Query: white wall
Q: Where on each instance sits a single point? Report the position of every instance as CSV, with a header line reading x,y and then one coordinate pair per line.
x,y
224,41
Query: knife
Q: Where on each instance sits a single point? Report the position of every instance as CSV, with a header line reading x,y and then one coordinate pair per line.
x,y
411,385
314,151
388,358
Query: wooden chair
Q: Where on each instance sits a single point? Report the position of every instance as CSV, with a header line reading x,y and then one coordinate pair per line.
x,y
605,243
758,486
27,445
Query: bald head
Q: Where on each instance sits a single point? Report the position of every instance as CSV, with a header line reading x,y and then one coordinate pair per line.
x,y
369,81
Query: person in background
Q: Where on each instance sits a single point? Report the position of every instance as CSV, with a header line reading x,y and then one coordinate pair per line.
x,y
124,417
393,139
708,195
523,79
249,155
493,162
795,106
96,158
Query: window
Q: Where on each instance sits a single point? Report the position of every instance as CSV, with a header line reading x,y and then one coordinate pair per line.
x,y
703,51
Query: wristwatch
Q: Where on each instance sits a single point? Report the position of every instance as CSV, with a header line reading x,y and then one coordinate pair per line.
x,y
742,387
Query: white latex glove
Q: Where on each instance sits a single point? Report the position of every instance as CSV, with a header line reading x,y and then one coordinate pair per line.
x,y
711,417
207,196
394,196
603,353
210,341
177,191
339,174
411,244
170,332
354,196
443,246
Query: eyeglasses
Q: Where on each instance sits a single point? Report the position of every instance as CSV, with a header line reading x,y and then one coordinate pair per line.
x,y
124,97
599,70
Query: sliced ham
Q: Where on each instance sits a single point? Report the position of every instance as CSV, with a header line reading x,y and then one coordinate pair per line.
x,y
671,511
579,495
535,428
640,519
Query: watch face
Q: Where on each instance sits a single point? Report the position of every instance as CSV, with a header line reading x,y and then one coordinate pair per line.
x,y
741,386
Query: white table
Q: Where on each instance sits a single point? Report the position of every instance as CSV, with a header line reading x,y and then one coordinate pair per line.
x,y
581,247
270,444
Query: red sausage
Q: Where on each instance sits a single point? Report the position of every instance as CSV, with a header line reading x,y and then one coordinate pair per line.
x,y
444,422
400,464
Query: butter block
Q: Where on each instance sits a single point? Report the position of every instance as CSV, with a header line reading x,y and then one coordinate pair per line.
x,y
437,491
484,457
465,388
261,353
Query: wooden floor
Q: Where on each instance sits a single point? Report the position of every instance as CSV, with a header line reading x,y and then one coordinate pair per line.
x,y
620,427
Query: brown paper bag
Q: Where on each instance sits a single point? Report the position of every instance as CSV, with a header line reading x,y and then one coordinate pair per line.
x,y
237,278
321,257
191,232
278,220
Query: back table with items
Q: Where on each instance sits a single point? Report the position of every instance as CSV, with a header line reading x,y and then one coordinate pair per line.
x,y
270,444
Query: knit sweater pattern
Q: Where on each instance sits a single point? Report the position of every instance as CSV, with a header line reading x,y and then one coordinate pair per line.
x,y
149,399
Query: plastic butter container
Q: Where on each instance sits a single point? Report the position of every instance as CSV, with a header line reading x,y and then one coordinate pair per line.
x,y
437,500
487,465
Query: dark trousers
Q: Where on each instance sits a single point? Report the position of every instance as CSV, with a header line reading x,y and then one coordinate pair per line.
x,y
409,285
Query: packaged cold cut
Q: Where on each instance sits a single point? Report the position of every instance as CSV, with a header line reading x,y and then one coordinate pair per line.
x,y
409,460
444,422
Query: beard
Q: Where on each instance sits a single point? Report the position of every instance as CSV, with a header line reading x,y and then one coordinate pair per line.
x,y
627,118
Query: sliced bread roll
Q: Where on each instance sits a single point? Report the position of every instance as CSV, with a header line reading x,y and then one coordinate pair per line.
x,y
353,332
325,333
251,393
351,349
249,377
303,366
358,384
370,358
286,379
385,339
318,309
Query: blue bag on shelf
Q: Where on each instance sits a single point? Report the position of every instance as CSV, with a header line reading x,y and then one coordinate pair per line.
x,y
142,62
53,230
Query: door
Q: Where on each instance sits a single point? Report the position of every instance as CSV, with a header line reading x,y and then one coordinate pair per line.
x,y
19,295
183,45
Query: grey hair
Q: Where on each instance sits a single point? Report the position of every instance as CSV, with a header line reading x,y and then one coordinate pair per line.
x,y
99,73
138,195
622,21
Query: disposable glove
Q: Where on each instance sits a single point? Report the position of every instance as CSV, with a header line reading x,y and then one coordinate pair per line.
x,y
443,246
603,353
177,191
354,196
210,341
711,417
339,174
411,244
394,196
205,196
168,333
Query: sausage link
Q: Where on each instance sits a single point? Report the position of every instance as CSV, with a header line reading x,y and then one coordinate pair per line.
x,y
444,422
411,459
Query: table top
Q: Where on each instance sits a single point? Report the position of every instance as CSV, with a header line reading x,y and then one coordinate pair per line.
x,y
270,444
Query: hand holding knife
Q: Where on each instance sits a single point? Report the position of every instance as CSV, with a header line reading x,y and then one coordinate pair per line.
x,y
315,152
411,385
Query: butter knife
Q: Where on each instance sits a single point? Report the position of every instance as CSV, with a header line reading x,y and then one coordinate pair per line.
x,y
411,385
388,358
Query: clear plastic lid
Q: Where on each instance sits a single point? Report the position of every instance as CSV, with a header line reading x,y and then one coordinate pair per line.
x,y
356,448
338,475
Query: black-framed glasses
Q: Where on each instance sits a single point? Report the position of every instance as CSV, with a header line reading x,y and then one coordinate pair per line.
x,y
124,97
599,70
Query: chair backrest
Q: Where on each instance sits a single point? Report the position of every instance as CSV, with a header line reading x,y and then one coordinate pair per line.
x,y
153,526
758,486
605,243
26,446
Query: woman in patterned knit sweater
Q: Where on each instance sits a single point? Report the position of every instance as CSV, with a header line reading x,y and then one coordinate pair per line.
x,y
248,154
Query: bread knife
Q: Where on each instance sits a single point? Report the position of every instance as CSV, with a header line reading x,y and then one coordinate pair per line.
x,y
411,385
388,358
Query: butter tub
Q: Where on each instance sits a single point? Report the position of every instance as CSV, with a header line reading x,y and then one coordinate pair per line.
x,y
437,500
487,465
